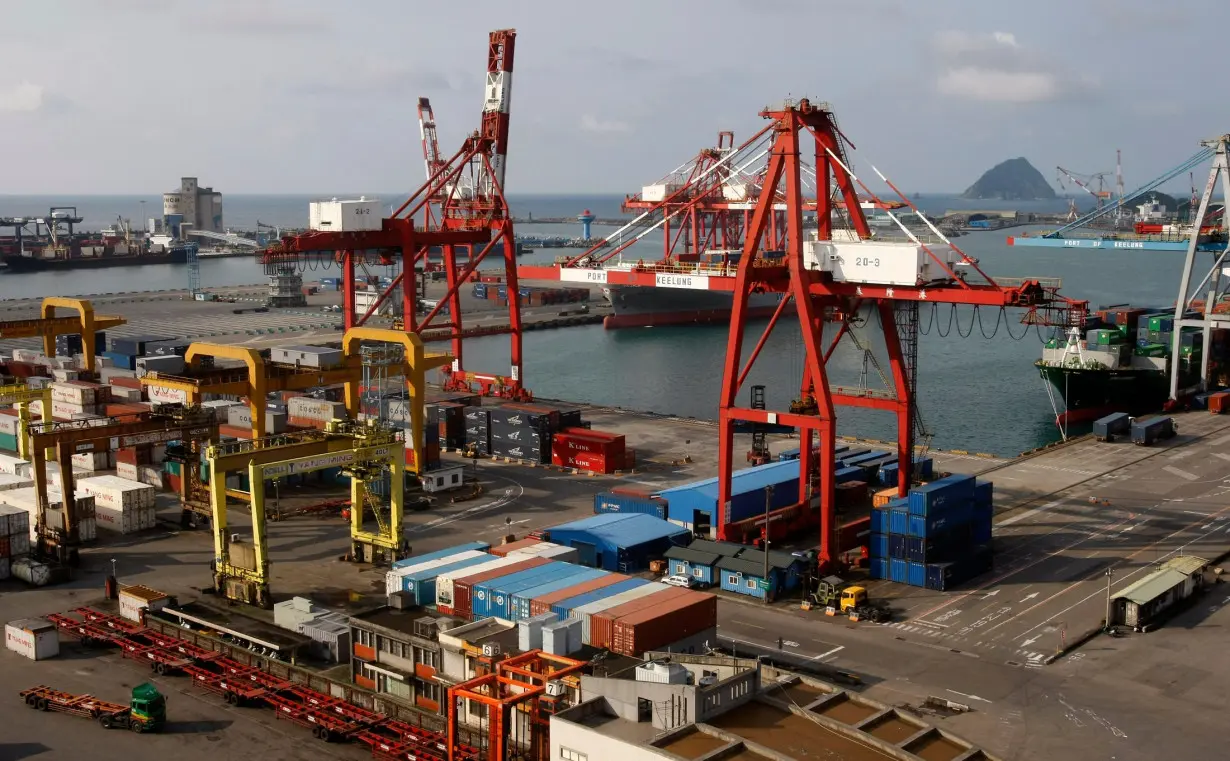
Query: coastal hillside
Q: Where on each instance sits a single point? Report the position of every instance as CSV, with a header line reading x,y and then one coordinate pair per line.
x,y
1011,180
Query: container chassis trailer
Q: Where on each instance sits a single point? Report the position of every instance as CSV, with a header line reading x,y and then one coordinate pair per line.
x,y
330,719
146,713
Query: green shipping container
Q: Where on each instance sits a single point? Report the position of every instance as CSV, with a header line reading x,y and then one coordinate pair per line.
x,y
1152,350
8,442
173,467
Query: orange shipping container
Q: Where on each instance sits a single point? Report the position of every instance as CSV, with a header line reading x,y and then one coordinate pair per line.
x,y
602,624
664,624
125,382
883,497
1219,403
541,605
235,431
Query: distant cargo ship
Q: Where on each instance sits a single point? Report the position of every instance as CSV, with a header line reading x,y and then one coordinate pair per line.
x,y
50,243
648,306
1122,364
17,263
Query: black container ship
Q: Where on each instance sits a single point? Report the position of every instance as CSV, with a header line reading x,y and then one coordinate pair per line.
x,y
1123,363
52,243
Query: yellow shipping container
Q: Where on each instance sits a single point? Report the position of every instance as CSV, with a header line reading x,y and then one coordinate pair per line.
x,y
883,497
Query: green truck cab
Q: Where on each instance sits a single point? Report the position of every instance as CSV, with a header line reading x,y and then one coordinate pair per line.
x,y
148,708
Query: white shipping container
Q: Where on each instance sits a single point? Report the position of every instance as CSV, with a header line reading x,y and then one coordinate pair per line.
x,y
66,410
134,599
119,520
116,492
33,638
125,395
19,544
8,482
14,466
307,356
164,395
446,582
127,471
315,409
150,474
27,355
65,375
881,263
9,424
32,572
345,216
92,461
73,392
659,192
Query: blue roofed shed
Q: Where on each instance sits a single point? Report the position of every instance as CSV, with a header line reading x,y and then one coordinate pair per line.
x,y
623,542
695,504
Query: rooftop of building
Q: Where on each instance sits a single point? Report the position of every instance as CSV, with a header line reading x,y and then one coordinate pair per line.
x,y
624,529
405,620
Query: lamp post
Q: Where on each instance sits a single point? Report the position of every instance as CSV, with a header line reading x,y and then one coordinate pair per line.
x,y
768,502
1110,575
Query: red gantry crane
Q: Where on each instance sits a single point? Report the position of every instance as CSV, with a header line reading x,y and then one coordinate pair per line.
x,y
842,276
460,215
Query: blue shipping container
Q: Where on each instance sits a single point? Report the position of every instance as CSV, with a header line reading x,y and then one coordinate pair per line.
x,y
917,575
846,475
520,605
501,605
879,568
624,503
122,361
421,585
898,521
899,571
956,517
479,546
982,530
939,495
896,546
942,576
879,521
878,546
984,492
564,608
888,473
866,457
483,595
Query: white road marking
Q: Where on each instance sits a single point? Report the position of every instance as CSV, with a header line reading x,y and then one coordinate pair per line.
x,y
1030,596
1222,455
1030,641
745,623
1180,473
825,655
971,697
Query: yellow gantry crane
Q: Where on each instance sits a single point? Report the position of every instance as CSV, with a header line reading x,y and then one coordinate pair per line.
x,y
48,326
363,449
258,378
22,396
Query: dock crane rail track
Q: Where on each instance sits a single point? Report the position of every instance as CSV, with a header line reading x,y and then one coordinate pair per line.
x,y
331,719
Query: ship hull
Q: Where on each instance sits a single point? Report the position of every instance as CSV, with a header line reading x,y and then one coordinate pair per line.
x,y
646,306
1091,394
17,264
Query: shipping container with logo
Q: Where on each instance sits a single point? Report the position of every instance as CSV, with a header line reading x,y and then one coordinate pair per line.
x,y
463,587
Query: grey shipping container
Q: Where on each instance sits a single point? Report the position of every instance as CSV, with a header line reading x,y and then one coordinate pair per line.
x,y
1107,428
1147,431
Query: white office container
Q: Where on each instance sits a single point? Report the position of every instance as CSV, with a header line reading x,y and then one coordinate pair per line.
x,y
345,216
289,614
529,631
555,638
879,263
134,599
322,357
33,638
365,301
659,192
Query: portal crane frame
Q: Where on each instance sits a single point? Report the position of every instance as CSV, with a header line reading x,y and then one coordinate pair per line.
x,y
47,326
22,396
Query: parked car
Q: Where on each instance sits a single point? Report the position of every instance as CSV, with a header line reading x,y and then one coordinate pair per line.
x,y
679,580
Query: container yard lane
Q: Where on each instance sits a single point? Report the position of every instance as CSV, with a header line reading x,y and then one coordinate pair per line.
x,y
1128,509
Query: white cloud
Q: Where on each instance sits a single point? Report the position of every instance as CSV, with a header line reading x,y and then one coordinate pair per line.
x,y
997,68
1001,86
591,123
24,97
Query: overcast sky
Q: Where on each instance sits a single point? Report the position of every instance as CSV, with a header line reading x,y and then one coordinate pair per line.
x,y
306,96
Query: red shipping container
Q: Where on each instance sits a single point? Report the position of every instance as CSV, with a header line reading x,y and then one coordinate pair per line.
x,y
502,550
125,382
142,455
235,431
1219,403
463,587
22,369
113,410
174,482
654,628
306,422
541,605
602,624
854,534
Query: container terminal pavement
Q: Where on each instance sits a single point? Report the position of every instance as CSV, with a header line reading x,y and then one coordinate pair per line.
x,y
1149,504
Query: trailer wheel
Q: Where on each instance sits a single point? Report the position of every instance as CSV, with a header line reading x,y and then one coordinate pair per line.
x,y
160,668
42,704
106,721
316,732
324,734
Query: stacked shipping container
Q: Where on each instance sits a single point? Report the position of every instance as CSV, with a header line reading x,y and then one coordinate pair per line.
x,y
14,536
937,537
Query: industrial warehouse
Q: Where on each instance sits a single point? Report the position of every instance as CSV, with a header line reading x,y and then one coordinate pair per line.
x,y
327,515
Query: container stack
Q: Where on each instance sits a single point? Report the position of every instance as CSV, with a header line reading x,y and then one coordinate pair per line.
x,y
565,604
449,418
25,499
937,537
76,397
478,429
14,537
519,433
70,345
587,449
306,412
121,505
9,425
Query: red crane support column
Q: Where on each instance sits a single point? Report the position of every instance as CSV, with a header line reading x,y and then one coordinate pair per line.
x,y
901,385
